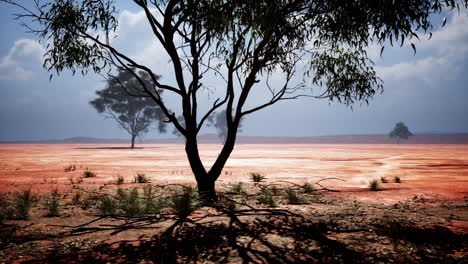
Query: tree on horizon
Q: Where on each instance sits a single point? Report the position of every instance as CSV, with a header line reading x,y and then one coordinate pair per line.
x,y
241,43
124,100
400,131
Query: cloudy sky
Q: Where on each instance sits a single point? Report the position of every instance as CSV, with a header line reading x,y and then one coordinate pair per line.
x,y
428,91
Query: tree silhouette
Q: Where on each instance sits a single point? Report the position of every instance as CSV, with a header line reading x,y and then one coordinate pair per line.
x,y
400,131
243,44
126,102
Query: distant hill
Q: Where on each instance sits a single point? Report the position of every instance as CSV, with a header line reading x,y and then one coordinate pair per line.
x,y
461,138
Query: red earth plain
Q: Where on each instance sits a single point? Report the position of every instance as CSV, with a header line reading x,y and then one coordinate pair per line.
x,y
435,171
421,219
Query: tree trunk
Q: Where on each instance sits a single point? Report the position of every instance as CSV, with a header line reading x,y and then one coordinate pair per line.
x,y
205,183
133,141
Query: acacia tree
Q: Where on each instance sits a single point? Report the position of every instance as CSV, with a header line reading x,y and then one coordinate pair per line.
x,y
124,100
243,43
400,131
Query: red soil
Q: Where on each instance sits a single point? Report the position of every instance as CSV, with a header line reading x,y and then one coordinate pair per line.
x,y
433,171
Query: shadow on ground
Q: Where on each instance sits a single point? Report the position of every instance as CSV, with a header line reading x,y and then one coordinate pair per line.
x,y
260,236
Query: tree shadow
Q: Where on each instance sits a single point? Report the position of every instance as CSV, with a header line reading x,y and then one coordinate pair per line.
x,y
260,236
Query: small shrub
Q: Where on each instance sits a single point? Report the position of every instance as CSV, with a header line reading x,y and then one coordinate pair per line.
x,y
89,200
141,178
237,188
151,204
257,177
186,202
107,205
23,202
130,203
52,203
88,174
292,197
308,188
6,210
120,180
77,197
383,179
397,179
266,197
275,190
374,185
70,168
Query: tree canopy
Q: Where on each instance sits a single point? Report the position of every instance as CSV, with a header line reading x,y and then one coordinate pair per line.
x,y
124,100
400,131
242,43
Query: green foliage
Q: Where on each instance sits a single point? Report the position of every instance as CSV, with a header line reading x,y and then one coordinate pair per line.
x,y
237,188
88,174
374,185
308,188
23,202
266,197
107,205
120,180
397,179
152,205
292,197
141,178
400,131
257,177
186,202
130,202
52,203
383,179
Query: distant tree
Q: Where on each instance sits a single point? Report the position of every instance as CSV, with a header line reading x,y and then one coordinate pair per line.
x,y
400,131
218,120
241,43
125,101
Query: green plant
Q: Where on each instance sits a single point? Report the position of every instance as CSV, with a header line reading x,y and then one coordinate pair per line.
x,y
107,205
88,174
152,204
383,179
292,197
89,200
52,203
237,188
186,202
275,190
130,202
23,202
6,210
141,178
374,185
308,188
397,179
257,177
266,197
120,180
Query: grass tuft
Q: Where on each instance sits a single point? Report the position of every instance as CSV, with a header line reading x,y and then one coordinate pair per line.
x,y
52,203
107,205
130,202
23,202
120,180
141,178
257,177
374,185
397,179
266,197
237,188
308,188
292,197
186,202
88,174
383,179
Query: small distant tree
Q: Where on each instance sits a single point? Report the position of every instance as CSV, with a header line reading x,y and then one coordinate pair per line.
x,y
218,120
125,101
400,131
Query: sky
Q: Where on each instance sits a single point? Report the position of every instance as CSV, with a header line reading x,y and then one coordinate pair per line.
x,y
428,91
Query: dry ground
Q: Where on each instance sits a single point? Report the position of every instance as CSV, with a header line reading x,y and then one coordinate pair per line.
x,y
423,219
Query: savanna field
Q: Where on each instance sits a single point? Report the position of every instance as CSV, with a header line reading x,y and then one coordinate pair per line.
x,y
278,203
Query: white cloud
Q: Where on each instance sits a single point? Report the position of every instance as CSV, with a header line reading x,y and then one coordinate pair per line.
x,y
448,48
24,56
